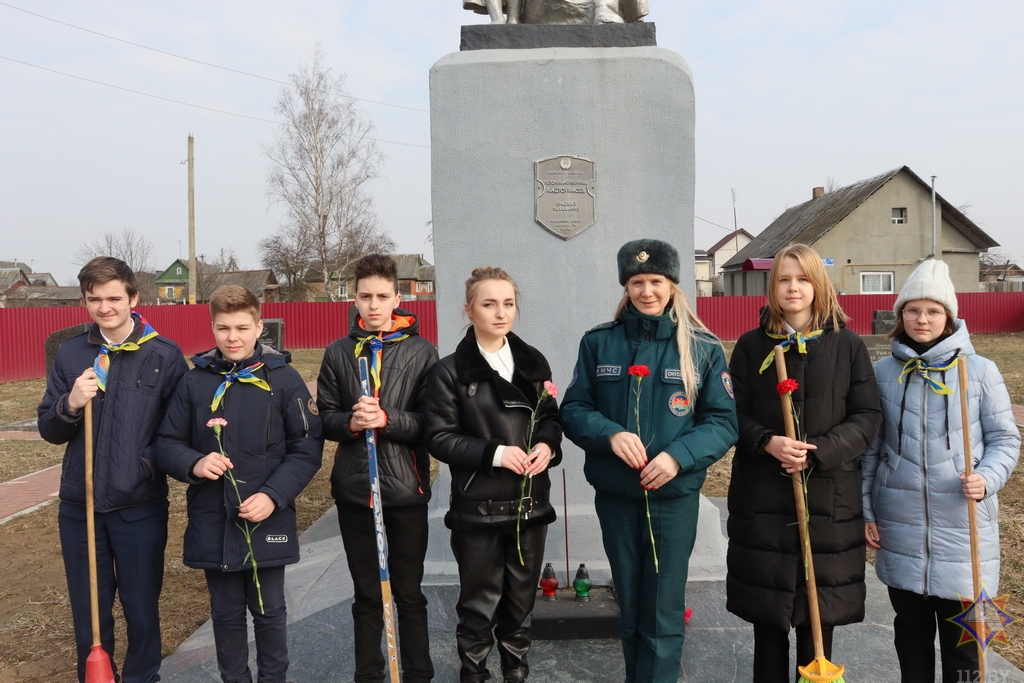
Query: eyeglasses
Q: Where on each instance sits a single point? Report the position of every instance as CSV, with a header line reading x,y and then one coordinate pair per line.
x,y
933,315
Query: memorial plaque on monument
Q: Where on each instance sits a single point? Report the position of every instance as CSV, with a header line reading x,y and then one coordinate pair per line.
x,y
273,333
883,322
878,346
566,195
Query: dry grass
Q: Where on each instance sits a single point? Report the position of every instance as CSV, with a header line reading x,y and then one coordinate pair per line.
x,y
18,400
18,458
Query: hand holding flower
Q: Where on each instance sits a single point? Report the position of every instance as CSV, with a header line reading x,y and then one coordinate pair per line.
x,y
662,469
515,459
211,466
538,459
256,507
630,449
791,453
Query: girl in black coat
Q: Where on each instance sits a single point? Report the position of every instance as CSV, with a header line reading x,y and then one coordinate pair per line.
x,y
480,404
838,407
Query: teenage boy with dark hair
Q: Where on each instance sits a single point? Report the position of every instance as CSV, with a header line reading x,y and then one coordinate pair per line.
x,y
243,432
400,358
128,372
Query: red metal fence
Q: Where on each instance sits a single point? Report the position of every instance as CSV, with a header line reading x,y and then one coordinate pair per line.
x,y
23,331
315,325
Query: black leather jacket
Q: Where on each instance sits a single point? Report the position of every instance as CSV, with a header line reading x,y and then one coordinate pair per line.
x,y
470,411
402,461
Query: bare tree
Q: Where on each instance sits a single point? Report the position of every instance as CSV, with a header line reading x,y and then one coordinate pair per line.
x,y
831,184
289,255
323,156
128,245
131,247
226,261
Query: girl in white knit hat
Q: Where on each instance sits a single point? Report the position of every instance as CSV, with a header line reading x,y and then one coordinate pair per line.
x,y
915,491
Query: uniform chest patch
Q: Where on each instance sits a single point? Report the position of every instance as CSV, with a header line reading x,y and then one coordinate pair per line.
x,y
671,374
727,383
277,538
311,406
678,404
609,370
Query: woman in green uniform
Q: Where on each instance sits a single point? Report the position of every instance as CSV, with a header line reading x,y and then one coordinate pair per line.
x,y
651,403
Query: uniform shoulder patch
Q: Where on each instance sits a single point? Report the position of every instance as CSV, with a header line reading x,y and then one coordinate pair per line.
x,y
727,383
311,406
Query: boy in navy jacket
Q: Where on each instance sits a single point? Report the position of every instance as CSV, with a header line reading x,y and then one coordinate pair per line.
x,y
128,372
245,435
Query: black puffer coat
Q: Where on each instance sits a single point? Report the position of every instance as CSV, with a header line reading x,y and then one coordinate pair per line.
x,y
471,411
274,442
402,461
840,413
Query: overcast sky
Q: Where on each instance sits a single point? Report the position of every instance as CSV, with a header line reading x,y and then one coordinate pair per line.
x,y
789,92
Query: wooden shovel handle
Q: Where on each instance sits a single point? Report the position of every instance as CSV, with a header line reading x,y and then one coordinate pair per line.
x,y
801,512
90,526
972,505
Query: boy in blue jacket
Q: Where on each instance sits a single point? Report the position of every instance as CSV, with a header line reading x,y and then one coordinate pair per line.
x,y
128,372
244,433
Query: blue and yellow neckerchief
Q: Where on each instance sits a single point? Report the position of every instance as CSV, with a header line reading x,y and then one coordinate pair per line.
x,y
789,340
920,367
243,375
102,363
376,343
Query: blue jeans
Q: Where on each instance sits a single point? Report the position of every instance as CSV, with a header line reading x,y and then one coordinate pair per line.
x,y
651,604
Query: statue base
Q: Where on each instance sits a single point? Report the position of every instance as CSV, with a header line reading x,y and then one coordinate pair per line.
x,y
528,36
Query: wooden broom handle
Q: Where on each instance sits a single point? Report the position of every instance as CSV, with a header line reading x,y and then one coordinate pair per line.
x,y
90,526
972,505
801,512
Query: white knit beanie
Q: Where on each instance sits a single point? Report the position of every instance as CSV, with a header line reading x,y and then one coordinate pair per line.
x,y
930,280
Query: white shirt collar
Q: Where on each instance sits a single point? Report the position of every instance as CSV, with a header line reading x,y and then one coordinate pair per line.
x,y
500,360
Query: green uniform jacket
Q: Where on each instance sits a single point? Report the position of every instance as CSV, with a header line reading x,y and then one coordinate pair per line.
x,y
601,401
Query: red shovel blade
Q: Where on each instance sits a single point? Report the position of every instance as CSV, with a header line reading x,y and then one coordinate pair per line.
x,y
97,666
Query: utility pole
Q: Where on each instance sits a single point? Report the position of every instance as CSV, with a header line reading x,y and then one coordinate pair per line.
x,y
735,224
935,224
191,222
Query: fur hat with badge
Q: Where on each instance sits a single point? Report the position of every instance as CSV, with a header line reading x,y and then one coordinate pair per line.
x,y
930,280
648,256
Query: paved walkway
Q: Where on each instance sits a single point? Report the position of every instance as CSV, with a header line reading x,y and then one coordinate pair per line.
x,y
25,494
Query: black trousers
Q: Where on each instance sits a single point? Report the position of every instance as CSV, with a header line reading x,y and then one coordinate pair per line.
x,y
496,599
771,652
230,594
916,620
130,562
406,529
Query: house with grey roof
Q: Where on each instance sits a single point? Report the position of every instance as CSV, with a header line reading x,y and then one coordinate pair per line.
x,y
262,283
870,236
11,280
36,296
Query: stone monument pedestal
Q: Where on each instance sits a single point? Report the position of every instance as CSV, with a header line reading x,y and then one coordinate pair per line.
x,y
495,113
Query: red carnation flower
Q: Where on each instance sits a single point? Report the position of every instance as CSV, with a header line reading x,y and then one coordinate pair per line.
x,y
639,371
787,386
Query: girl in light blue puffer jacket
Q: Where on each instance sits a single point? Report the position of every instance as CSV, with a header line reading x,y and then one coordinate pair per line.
x,y
915,491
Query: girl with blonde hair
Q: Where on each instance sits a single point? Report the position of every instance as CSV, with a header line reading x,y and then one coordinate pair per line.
x,y
839,414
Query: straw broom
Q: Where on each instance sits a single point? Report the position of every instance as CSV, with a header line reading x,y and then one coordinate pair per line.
x,y
820,670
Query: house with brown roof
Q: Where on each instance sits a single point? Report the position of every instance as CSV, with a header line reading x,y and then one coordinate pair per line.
x,y
11,280
415,280
870,236
262,283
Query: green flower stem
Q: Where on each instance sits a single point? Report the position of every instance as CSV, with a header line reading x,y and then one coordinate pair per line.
x,y
522,484
246,531
650,530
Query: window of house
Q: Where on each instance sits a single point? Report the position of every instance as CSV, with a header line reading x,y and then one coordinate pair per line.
x,y
876,283
179,271
168,292
899,216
